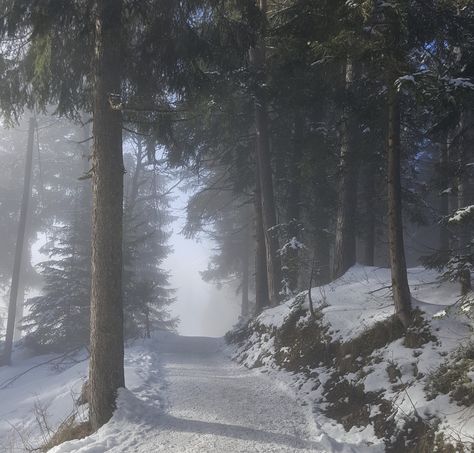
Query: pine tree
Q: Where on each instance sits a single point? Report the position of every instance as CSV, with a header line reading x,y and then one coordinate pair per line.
x,y
59,318
19,249
147,295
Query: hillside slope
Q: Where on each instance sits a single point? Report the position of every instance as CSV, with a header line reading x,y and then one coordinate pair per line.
x,y
358,371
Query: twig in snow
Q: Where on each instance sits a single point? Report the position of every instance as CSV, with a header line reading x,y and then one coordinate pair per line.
x,y
380,289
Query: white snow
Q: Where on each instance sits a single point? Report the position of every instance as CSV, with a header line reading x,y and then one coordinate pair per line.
x,y
292,244
405,79
185,395
462,214
354,303
461,82
362,297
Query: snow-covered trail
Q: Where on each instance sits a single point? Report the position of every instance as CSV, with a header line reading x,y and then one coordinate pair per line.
x,y
216,406
189,397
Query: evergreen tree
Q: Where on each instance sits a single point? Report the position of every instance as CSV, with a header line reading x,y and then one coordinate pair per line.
x,y
58,320
146,288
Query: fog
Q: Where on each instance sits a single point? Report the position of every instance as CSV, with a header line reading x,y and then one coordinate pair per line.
x,y
203,309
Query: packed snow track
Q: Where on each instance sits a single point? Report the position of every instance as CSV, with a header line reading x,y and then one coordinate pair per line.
x,y
189,397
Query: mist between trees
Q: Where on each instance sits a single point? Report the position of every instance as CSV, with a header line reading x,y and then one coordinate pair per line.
x,y
314,135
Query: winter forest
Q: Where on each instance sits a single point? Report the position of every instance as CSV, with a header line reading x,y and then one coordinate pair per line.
x,y
236,226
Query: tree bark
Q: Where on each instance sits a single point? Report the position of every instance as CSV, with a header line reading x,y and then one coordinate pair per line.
x,y
400,288
106,371
465,196
20,307
293,203
245,307
20,242
322,271
135,185
261,283
345,242
444,236
369,249
264,170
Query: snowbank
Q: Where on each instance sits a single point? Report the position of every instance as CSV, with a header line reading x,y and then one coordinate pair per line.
x,y
355,365
47,387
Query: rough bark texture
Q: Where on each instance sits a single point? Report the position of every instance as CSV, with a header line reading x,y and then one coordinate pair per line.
x,y
261,285
400,288
245,307
444,236
17,264
369,245
135,186
257,57
345,242
465,194
106,372
293,203
322,271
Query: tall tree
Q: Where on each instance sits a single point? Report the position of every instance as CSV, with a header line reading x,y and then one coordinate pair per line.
x,y
146,289
264,167
58,319
400,288
19,252
106,372
345,241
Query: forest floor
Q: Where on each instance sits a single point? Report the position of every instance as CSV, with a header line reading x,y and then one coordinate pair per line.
x,y
183,395
357,394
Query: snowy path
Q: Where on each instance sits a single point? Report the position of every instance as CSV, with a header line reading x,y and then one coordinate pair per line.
x,y
207,404
217,406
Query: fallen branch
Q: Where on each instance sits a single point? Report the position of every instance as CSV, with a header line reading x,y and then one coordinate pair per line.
x,y
380,289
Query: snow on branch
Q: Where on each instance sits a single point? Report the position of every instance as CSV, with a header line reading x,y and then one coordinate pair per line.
x,y
293,244
463,215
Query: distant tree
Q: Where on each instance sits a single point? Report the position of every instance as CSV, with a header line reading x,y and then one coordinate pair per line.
x,y
147,295
58,320
19,248
263,157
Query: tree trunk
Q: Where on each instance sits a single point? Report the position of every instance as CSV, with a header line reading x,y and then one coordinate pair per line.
x,y
245,308
293,203
400,288
22,285
369,249
147,323
465,233
135,185
106,372
261,284
17,264
245,262
322,274
465,197
20,307
345,241
444,236
264,170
